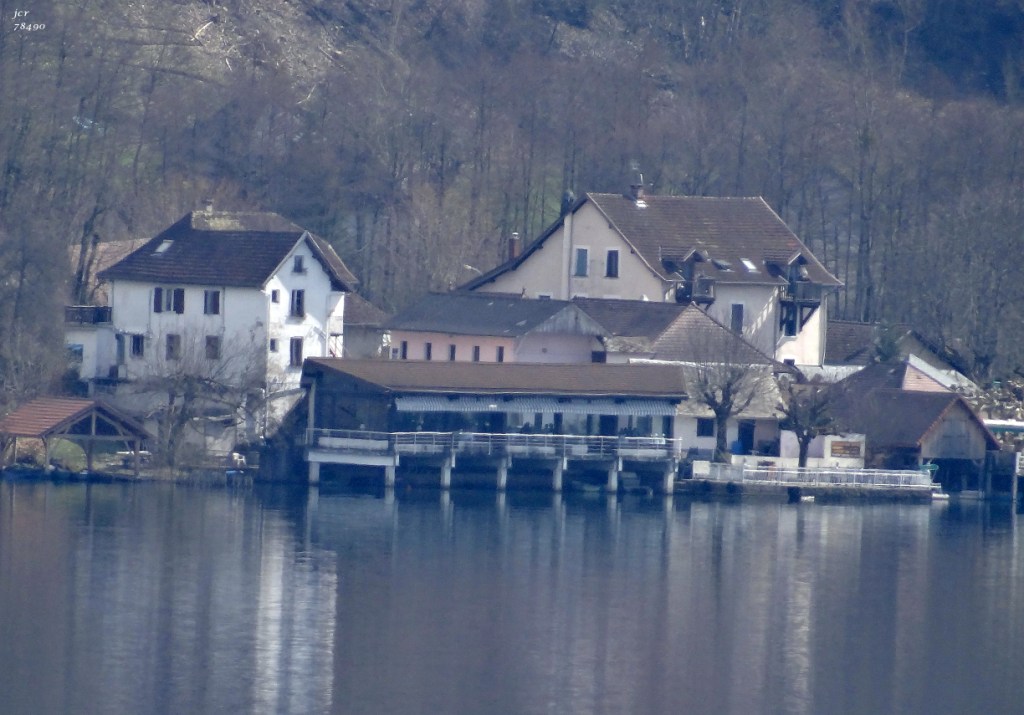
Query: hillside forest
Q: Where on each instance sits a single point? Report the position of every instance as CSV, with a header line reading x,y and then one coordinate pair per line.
x,y
418,135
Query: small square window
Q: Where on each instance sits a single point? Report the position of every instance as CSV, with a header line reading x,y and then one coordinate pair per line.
x,y
705,427
275,296
138,346
273,345
298,265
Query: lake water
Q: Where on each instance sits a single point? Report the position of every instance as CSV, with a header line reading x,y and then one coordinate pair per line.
x,y
154,598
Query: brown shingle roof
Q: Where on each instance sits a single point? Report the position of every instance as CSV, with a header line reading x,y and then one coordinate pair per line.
x,y
723,229
631,318
360,311
893,418
491,314
897,376
849,343
225,248
590,379
697,337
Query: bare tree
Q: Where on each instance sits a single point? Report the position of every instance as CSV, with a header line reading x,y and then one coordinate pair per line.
x,y
806,412
192,381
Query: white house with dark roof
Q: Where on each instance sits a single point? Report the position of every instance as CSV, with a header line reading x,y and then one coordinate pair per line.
x,y
222,294
732,256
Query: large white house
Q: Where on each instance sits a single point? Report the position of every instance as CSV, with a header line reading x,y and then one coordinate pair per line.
x,y
732,256
232,298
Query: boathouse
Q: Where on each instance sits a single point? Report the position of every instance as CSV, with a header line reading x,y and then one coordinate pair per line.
x,y
595,424
84,422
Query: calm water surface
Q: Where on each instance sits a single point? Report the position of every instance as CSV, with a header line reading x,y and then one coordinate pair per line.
x,y
169,599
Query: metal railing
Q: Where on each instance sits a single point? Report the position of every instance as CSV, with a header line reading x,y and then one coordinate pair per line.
x,y
486,444
812,476
87,314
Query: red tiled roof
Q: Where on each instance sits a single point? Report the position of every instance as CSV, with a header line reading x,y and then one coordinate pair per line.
x,y
49,415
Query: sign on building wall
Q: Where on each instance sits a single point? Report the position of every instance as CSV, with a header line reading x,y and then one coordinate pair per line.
x,y
846,449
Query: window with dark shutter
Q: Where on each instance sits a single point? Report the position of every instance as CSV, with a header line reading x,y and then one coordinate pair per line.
x,y
158,300
179,300
296,352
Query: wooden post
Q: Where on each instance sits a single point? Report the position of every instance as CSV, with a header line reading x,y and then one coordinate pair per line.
x,y
389,476
314,472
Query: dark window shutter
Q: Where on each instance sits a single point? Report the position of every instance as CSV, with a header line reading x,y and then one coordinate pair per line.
x,y
179,300
158,300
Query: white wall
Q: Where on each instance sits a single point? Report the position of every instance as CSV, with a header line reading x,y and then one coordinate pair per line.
x,y
543,272
807,347
760,312
97,342
324,313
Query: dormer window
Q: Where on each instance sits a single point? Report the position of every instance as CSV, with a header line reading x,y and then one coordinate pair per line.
x,y
298,265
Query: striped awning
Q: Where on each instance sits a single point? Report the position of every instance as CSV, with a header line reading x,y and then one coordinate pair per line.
x,y
597,406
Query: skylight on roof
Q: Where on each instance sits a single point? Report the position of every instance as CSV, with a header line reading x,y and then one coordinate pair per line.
x,y
721,265
749,265
164,245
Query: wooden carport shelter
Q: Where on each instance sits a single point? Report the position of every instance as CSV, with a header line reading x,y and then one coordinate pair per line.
x,y
82,421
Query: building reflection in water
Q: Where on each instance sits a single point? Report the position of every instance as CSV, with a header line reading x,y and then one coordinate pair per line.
x,y
175,599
